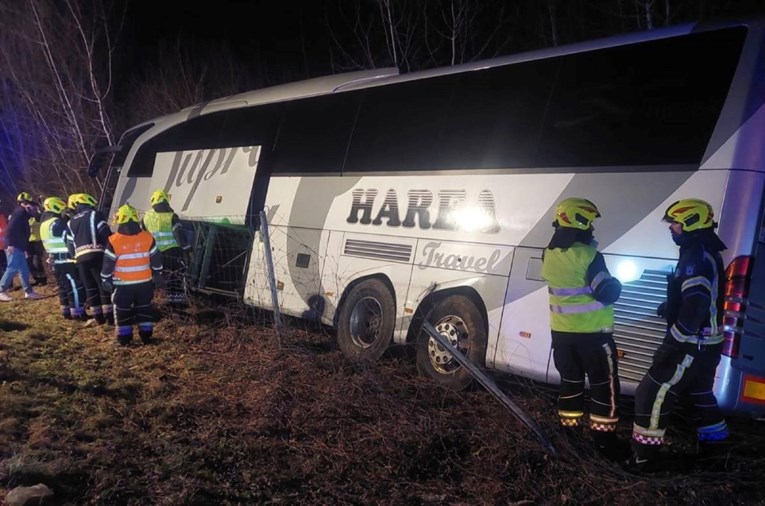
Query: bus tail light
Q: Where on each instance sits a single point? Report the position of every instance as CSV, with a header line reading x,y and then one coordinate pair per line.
x,y
737,277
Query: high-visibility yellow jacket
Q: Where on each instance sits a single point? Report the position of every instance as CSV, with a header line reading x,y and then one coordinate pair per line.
x,y
573,307
160,224
52,235
34,230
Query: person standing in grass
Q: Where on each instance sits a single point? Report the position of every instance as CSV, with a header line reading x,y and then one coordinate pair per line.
x,y
582,293
168,231
132,265
71,293
16,245
86,236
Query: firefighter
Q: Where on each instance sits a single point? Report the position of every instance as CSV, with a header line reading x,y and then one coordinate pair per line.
x,y
36,251
71,293
16,245
582,293
686,361
86,236
168,232
132,265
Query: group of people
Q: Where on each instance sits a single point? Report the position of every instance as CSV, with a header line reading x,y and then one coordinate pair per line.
x,y
105,276
582,293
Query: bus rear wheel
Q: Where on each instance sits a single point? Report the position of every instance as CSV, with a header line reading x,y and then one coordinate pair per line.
x,y
458,319
366,321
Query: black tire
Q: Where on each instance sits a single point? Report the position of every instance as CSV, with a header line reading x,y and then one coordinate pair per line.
x,y
366,320
457,318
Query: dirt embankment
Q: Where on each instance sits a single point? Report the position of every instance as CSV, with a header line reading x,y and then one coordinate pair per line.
x,y
216,412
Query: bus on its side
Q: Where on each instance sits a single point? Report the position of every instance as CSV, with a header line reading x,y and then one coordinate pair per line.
x,y
394,199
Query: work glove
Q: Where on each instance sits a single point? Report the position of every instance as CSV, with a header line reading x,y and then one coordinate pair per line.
x,y
156,277
107,285
661,311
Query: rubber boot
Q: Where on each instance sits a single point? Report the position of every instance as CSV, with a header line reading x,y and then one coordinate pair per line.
x,y
644,458
145,331
108,311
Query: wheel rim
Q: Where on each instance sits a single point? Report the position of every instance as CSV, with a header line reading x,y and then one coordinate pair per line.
x,y
453,328
366,322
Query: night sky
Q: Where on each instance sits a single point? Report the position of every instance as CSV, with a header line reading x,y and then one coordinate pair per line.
x,y
274,34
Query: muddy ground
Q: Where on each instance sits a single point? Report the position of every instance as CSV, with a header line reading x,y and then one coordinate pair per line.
x,y
221,410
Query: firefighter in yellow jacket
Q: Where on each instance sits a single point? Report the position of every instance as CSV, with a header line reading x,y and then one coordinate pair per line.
x,y
71,293
132,264
582,293
168,231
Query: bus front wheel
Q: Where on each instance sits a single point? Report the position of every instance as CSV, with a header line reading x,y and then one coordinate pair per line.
x,y
458,319
366,321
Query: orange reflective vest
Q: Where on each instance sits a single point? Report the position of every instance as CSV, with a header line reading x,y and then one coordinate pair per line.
x,y
132,251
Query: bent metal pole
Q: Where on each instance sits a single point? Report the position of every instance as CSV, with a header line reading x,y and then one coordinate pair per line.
x,y
489,385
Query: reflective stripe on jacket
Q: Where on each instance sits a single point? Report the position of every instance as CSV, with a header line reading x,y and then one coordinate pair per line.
x,y
161,227
85,228
573,307
54,245
696,281
131,256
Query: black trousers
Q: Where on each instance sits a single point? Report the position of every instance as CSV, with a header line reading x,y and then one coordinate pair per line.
x,y
98,301
71,293
3,262
133,306
678,370
174,273
592,355
36,261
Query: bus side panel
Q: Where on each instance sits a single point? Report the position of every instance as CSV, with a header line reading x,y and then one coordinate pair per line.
x,y
297,264
523,346
363,255
444,265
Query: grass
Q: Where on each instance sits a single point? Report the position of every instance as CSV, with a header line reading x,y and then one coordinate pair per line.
x,y
216,412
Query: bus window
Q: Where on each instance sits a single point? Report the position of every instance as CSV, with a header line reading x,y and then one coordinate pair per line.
x,y
308,142
652,103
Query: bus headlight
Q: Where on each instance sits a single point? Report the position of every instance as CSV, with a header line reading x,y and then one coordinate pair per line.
x,y
627,271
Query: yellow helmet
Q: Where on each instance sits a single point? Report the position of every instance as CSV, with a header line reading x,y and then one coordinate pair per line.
x,y
24,197
71,202
85,198
54,205
159,196
576,213
692,214
126,213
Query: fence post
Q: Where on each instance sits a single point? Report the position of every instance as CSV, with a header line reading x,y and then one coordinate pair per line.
x,y
271,275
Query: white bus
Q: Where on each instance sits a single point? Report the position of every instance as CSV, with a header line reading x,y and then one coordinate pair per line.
x,y
396,198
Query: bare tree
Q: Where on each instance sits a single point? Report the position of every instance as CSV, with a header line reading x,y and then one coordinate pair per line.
x,y
56,88
180,78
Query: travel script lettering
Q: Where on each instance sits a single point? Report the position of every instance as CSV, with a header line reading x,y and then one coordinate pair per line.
x,y
435,258
191,168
